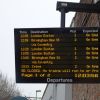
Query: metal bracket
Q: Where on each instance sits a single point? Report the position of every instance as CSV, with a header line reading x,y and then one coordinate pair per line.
x,y
65,7
79,7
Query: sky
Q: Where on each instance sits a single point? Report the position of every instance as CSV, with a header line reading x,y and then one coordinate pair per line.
x,y
25,14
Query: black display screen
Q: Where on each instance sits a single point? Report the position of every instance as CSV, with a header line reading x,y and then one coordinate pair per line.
x,y
57,55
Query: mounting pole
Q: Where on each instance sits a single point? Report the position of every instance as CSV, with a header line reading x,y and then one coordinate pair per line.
x,y
62,18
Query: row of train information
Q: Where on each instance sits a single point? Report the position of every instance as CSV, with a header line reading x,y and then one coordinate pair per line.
x,y
57,55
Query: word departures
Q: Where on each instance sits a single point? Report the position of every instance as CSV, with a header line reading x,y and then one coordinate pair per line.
x,y
57,55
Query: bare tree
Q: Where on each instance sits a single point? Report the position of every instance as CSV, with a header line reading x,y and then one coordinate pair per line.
x,y
7,89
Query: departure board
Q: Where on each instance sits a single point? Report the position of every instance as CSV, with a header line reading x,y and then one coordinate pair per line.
x,y
57,55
